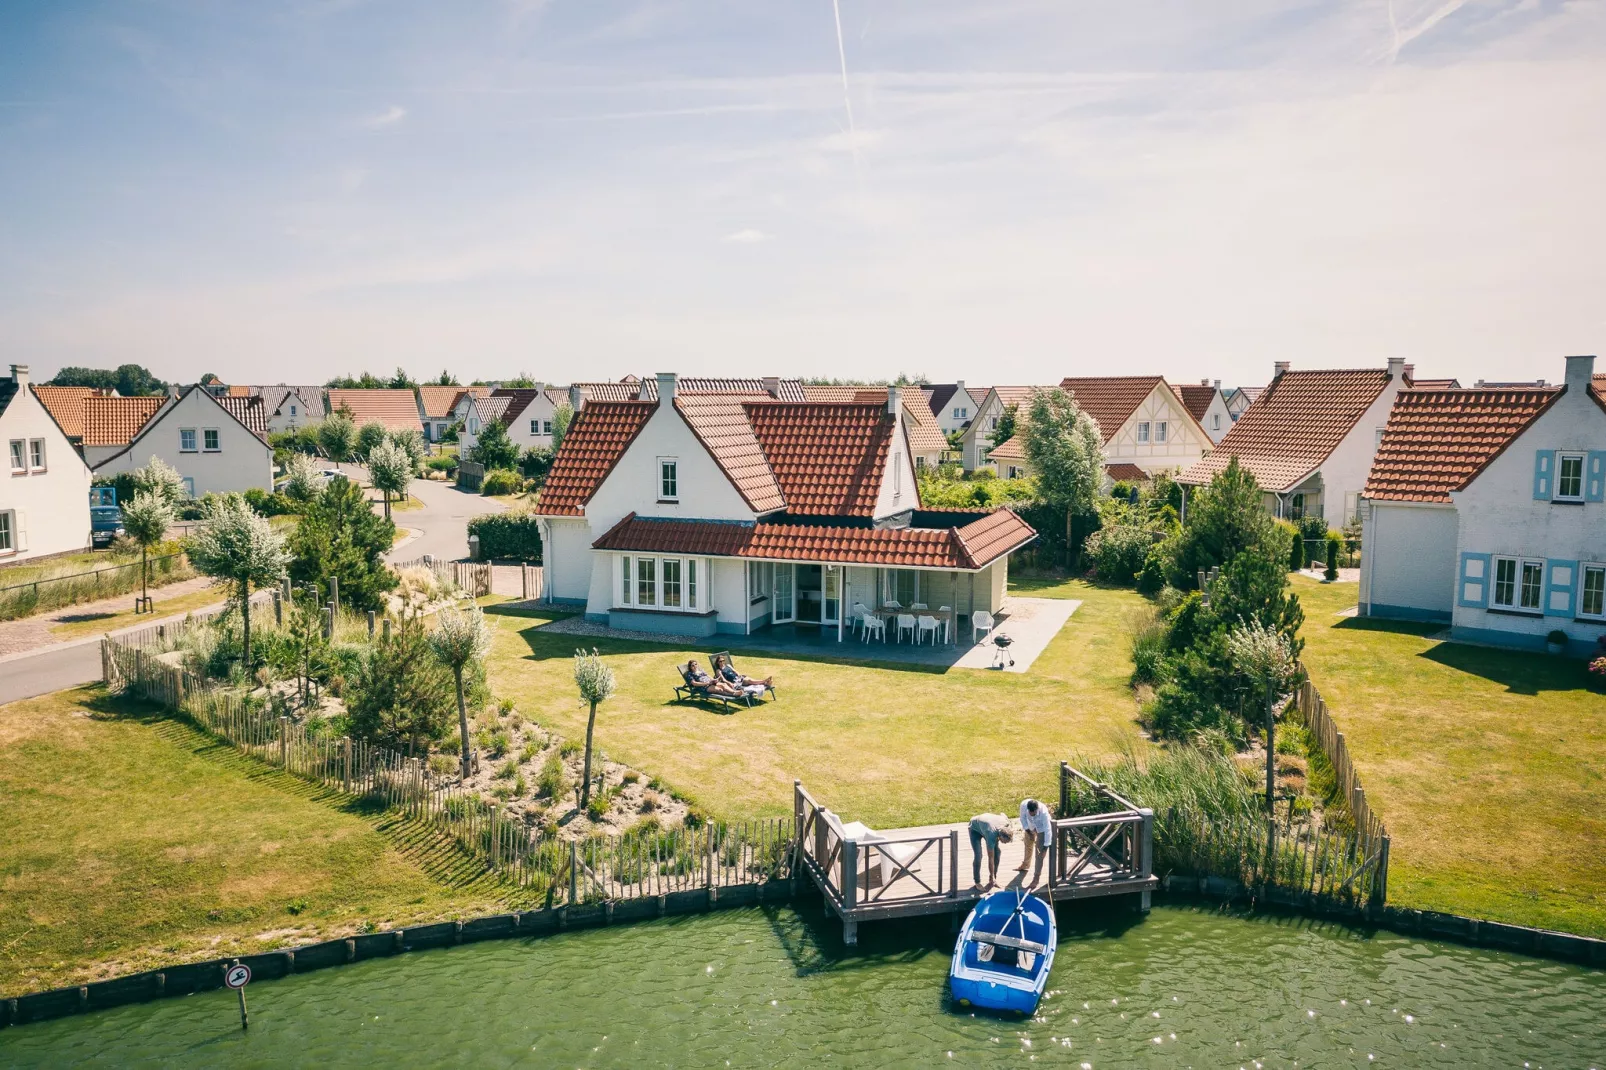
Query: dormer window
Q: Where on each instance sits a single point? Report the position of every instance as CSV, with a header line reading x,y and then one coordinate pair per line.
x,y
1569,477
668,479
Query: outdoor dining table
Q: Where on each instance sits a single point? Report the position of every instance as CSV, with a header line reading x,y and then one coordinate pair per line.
x,y
890,615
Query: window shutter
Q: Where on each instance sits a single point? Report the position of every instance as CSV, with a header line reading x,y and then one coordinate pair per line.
x,y
1544,471
1474,581
1560,581
22,530
1595,476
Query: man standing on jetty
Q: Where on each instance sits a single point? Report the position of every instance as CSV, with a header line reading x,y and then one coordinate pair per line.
x,y
1039,834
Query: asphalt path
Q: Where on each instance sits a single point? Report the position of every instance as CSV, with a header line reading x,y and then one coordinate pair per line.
x,y
440,527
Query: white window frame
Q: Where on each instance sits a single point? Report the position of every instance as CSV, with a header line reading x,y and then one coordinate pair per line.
x,y
1143,430
668,479
961,413
1377,437
189,487
36,455
19,457
651,583
8,531
1584,569
691,581
535,427
1159,431
897,474
546,427
195,443
1519,564
292,410
677,586
1215,421
1561,460
217,434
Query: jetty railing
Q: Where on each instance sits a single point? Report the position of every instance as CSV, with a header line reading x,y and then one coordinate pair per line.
x,y
1098,833
856,874
645,862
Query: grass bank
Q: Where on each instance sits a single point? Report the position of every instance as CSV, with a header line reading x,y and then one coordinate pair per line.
x,y
889,745
1488,766
132,839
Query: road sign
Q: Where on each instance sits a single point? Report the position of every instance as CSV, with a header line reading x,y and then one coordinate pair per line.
x,y
237,976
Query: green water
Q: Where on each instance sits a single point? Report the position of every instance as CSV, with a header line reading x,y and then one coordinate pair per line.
x,y
776,988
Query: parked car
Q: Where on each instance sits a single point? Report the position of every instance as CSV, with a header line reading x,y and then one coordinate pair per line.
x,y
105,516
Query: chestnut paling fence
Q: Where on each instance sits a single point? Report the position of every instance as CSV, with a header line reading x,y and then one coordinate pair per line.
x,y
638,863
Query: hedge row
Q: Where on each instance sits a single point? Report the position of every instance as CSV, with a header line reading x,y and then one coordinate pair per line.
x,y
508,535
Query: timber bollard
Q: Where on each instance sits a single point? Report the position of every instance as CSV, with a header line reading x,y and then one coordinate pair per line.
x,y
284,743
334,592
278,609
386,630
370,624
329,620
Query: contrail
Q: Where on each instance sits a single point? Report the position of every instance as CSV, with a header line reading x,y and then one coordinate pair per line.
x,y
842,55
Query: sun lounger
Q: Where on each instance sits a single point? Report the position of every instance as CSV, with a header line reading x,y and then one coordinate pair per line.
x,y
726,654
687,691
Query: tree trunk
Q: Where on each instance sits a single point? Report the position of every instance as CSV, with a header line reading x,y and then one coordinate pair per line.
x,y
386,493
585,779
144,573
245,619
1271,752
462,721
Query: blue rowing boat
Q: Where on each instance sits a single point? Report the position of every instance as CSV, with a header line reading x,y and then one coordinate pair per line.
x,y
1004,953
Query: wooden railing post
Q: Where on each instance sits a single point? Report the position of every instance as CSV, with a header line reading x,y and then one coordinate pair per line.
x,y
574,872
953,863
1065,788
1146,851
850,873
345,761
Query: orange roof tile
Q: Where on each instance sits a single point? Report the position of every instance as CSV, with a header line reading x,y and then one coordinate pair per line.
x,y
1293,425
1011,449
237,390
1437,440
599,436
1126,472
827,458
114,421
1110,400
395,409
439,401
1196,398
720,423
249,410
921,427
66,405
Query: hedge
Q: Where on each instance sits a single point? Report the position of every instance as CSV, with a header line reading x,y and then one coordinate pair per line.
x,y
508,535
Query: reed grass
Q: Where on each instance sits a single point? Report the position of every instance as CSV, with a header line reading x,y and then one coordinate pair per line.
x,y
27,591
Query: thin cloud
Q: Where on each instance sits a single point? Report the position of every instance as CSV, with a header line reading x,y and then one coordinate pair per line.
x,y
389,117
746,236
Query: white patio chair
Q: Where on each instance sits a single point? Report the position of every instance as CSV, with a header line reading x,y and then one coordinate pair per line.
x,y
861,613
927,624
906,623
876,625
946,620
980,621
918,605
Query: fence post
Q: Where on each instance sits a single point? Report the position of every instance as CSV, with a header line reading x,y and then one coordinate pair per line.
x,y
334,592
284,743
1065,788
953,864
370,624
329,621
385,630
1381,884
345,761
850,873
1146,853
278,609
574,872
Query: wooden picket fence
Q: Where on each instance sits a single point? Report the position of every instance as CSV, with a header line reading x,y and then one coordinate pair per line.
x,y
1319,723
474,577
470,475
651,862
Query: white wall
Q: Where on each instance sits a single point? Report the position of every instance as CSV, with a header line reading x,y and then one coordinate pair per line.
x,y
961,400
729,591
1499,515
50,507
539,409
566,557
898,492
1409,561
242,462
1183,445
975,442
1217,420
1344,472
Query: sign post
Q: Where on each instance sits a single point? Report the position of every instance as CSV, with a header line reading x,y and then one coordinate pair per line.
x,y
237,976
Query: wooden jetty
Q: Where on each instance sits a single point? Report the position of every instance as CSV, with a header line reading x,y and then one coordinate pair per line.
x,y
874,874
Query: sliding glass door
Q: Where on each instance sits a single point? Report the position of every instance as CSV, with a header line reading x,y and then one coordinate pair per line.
x,y
785,594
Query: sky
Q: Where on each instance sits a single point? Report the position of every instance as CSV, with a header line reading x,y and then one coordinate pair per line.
x,y
998,191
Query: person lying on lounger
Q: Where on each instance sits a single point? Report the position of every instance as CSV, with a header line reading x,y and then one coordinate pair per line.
x,y
696,677
727,672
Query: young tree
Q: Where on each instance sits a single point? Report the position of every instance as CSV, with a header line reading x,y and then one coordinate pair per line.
x,y
460,640
338,437
1224,519
410,442
494,449
340,535
236,546
401,380
562,417
1266,658
161,479
390,470
146,520
1005,430
1064,448
401,695
302,480
595,681
369,435
308,643
1334,547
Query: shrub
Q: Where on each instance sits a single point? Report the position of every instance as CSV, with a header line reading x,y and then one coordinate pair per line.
x,y
265,504
502,481
447,464
508,535
1151,579
1333,549
568,747
1296,548
1148,648
1119,551
550,781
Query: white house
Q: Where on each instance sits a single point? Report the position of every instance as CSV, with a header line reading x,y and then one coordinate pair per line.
x,y
955,405
698,513
1486,509
1309,439
44,506
436,406
287,407
218,444
1143,422
1206,404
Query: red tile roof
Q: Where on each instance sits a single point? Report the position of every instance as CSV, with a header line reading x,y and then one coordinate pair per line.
x,y
1012,449
249,410
66,405
395,409
968,546
827,458
1196,398
1437,440
1126,472
1293,426
519,399
921,427
598,437
721,424
633,389
1111,400
439,401
114,421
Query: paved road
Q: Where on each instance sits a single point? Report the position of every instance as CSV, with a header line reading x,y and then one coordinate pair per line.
x,y
26,675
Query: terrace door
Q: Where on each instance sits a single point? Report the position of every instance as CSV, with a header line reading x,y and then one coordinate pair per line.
x,y
785,594
832,581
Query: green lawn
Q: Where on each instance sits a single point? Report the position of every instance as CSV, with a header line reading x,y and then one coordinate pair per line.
x,y
132,840
886,745
1488,766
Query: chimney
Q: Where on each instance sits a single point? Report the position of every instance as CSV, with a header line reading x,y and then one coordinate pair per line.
x,y
959,388
19,372
1204,382
1410,371
1579,372
1216,384
173,390
1277,370
576,399
894,401
772,385
1396,367
666,388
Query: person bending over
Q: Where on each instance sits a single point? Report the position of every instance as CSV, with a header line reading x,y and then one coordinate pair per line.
x,y
989,829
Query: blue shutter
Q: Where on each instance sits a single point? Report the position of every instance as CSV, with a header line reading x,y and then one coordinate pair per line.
x,y
1595,476
1561,580
1544,471
1472,584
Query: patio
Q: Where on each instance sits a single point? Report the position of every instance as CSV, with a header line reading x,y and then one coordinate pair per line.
x,y
1030,622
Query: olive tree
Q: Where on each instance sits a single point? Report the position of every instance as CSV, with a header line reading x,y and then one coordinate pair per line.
x,y
390,470
159,478
412,443
338,437
459,640
1266,658
145,520
301,479
236,546
595,681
